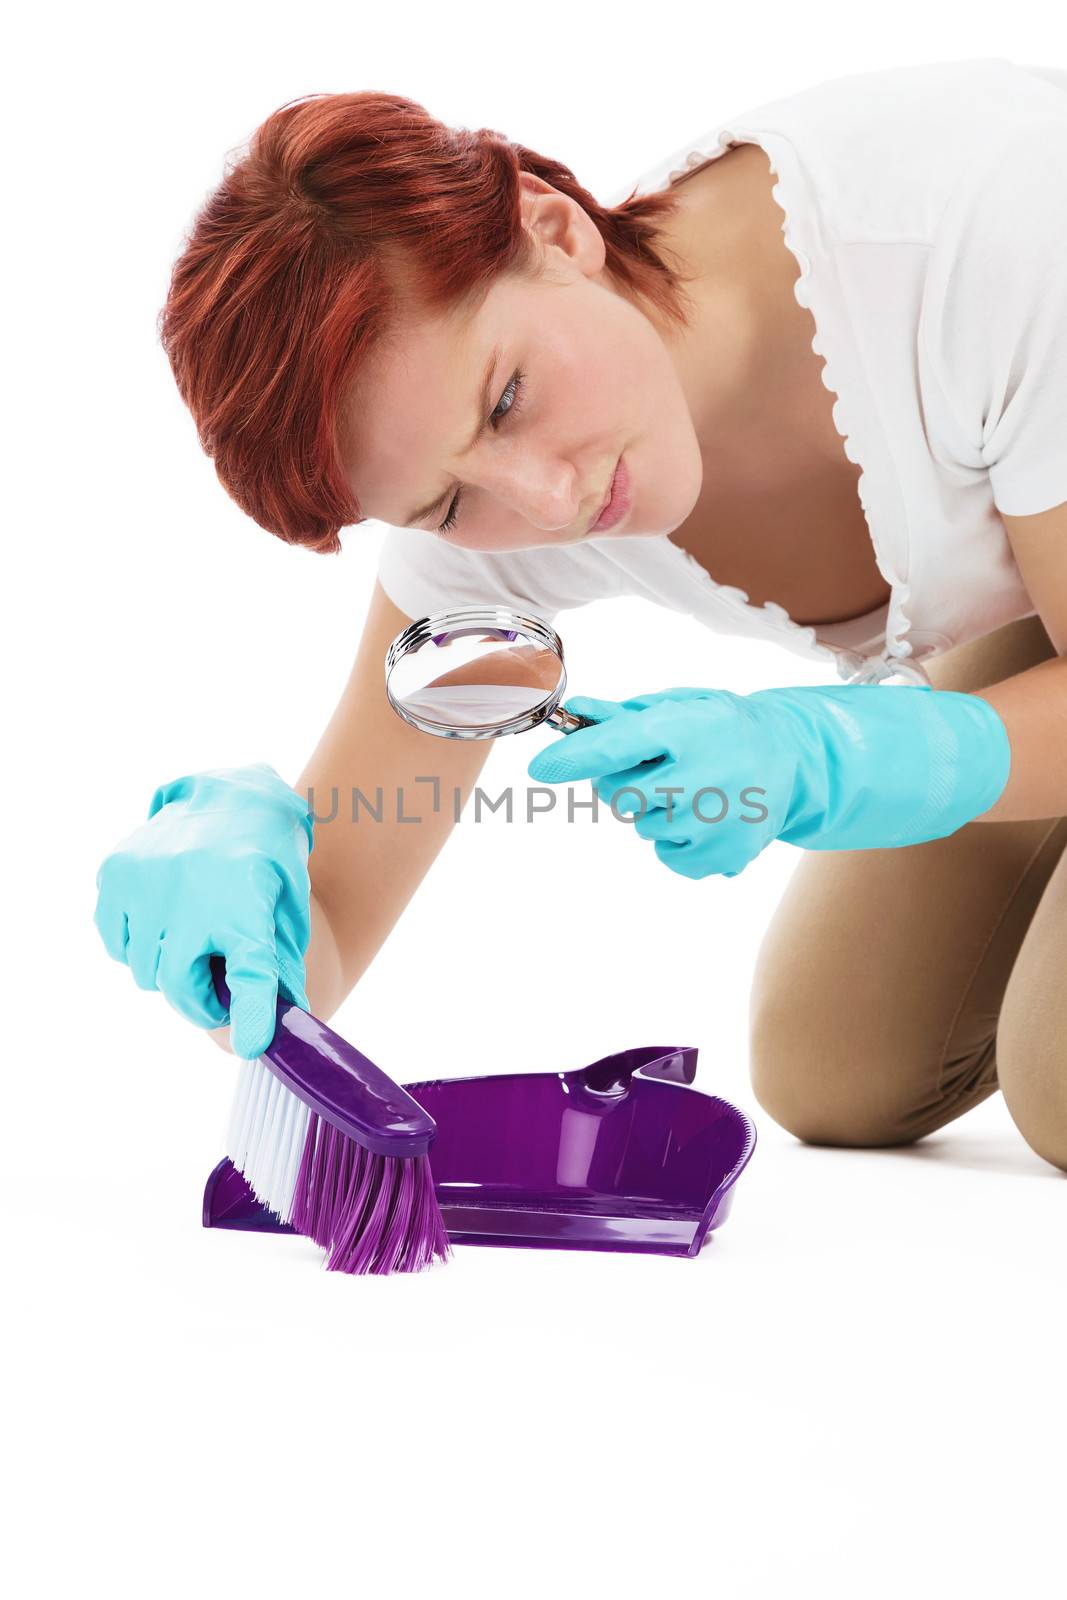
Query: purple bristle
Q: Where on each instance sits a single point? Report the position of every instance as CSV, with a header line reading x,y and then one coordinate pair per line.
x,y
370,1213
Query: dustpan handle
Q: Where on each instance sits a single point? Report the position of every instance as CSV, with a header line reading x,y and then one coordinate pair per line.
x,y
612,1074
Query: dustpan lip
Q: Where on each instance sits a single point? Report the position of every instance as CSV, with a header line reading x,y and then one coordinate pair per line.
x,y
718,1205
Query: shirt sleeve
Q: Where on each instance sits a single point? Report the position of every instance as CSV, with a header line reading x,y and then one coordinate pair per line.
x,y
422,574
993,331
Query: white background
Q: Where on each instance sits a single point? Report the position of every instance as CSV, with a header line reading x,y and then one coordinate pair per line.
x,y
857,1390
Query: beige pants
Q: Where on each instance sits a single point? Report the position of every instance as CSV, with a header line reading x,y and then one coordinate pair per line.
x,y
896,989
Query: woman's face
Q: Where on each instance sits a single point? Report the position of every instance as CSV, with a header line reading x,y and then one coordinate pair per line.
x,y
578,377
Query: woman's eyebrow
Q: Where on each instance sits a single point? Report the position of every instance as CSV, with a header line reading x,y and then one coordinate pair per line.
x,y
484,397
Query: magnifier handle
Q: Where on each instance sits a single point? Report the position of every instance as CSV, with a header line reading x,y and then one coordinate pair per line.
x,y
567,722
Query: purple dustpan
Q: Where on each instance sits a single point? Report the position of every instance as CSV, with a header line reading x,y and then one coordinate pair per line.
x,y
619,1155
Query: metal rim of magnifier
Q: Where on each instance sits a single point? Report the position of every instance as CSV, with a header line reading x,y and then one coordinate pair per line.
x,y
548,709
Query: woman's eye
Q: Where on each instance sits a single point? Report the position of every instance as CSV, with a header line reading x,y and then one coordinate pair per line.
x,y
511,400
450,521
512,396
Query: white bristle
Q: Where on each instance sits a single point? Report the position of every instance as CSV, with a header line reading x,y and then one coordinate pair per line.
x,y
268,1127
240,1111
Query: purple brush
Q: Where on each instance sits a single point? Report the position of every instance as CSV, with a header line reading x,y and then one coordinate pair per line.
x,y
331,1145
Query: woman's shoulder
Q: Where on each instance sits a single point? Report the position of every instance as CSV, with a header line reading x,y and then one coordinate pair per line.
x,y
992,335
879,152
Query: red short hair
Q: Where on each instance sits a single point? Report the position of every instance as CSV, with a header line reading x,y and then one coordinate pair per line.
x,y
291,268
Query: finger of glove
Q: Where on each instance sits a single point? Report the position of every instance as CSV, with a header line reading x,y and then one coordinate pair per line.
x,y
112,926
252,979
695,859
292,908
291,974
635,790
655,824
183,977
142,953
622,741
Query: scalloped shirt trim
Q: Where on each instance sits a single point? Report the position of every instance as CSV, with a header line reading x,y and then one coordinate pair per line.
x,y
883,644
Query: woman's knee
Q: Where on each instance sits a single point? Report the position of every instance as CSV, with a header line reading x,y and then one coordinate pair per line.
x,y
1032,1032
818,1077
1041,1118
1033,1077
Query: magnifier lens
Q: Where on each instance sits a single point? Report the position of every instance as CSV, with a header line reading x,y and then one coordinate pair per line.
x,y
474,676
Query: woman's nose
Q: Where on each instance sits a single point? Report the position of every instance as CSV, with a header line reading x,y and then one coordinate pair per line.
x,y
547,495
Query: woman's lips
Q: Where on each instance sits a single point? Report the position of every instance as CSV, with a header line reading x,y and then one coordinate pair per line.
x,y
619,500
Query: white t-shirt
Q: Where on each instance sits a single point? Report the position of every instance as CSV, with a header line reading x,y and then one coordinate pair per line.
x,y
926,207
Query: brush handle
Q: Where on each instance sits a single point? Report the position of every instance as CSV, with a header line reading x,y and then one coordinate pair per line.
x,y
338,1081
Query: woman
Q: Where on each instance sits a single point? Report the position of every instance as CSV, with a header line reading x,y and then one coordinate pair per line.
x,y
806,382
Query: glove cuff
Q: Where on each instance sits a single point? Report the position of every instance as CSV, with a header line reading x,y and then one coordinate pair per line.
x,y
882,766
969,761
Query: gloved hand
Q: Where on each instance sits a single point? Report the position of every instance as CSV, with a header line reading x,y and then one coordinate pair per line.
x,y
847,767
219,867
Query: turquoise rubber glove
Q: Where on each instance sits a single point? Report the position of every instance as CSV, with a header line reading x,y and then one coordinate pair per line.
x,y
848,767
221,868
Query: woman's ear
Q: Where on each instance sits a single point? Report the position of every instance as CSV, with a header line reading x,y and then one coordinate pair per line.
x,y
560,227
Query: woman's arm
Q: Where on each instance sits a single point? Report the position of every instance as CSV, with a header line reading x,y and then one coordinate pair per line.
x,y
993,336
1033,704
364,872
840,767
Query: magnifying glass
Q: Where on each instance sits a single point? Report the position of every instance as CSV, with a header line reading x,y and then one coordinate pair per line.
x,y
477,673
